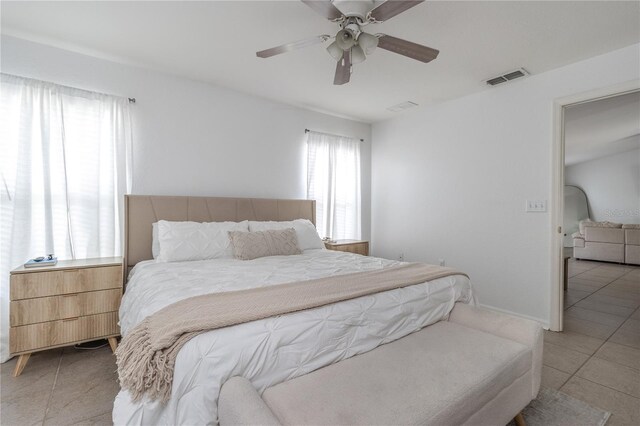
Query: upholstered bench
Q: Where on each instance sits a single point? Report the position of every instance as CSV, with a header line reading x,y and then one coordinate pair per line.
x,y
479,367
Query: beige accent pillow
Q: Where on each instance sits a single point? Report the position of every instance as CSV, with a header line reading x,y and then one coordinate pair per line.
x,y
273,242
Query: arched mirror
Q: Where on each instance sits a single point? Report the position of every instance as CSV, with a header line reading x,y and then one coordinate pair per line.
x,y
576,208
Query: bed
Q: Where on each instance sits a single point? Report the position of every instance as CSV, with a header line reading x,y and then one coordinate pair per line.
x,y
268,351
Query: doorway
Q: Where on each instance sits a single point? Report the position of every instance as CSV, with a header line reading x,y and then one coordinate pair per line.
x,y
561,254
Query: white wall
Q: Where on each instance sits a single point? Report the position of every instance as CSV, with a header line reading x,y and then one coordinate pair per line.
x,y
450,181
193,138
612,185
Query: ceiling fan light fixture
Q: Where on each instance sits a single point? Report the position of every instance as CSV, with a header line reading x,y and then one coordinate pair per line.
x,y
357,55
345,39
351,45
335,51
368,42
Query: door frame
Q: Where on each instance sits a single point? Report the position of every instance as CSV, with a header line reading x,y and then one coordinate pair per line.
x,y
557,188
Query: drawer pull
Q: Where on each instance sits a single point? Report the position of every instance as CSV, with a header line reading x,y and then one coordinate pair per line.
x,y
70,295
70,319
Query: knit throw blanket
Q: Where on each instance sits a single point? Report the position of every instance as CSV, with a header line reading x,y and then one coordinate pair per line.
x,y
147,354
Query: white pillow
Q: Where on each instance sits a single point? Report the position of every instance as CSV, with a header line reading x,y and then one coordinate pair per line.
x,y
155,244
180,241
307,233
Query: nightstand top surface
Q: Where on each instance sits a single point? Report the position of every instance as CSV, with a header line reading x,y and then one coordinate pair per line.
x,y
72,264
345,242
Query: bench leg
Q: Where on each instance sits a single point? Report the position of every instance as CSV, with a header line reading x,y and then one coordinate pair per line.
x,y
519,419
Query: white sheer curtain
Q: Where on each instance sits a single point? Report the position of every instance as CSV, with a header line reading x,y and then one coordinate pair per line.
x,y
65,165
333,180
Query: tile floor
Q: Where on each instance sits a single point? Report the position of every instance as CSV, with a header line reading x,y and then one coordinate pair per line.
x,y
596,359
597,356
60,387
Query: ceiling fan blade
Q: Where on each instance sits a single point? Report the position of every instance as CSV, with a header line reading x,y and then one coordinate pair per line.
x,y
343,69
292,46
325,8
407,48
391,8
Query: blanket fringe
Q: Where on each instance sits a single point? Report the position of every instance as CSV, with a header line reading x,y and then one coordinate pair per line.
x,y
143,369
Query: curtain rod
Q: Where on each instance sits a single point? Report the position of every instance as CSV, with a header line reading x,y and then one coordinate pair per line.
x,y
348,137
131,100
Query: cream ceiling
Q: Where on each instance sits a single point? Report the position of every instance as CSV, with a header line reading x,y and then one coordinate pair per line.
x,y
216,42
602,128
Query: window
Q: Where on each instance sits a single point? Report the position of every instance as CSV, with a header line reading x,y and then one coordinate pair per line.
x,y
333,180
64,170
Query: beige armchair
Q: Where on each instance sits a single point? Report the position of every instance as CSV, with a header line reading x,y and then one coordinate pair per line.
x,y
632,244
607,242
597,242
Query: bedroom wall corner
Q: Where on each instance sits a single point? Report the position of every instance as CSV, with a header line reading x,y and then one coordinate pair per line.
x,y
450,181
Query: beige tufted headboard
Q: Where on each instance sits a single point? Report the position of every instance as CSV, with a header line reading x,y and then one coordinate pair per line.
x,y
140,211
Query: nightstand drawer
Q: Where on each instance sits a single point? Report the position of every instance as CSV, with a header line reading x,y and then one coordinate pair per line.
x,y
31,311
349,246
362,249
55,333
41,284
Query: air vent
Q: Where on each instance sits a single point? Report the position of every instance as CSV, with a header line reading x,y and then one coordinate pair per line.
x,y
496,80
402,106
512,75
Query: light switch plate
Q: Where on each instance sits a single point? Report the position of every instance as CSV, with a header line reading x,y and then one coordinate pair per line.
x,y
536,206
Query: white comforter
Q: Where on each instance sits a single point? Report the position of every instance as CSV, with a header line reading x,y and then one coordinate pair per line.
x,y
272,350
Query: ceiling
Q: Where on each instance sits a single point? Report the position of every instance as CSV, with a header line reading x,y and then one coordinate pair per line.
x,y
602,128
216,42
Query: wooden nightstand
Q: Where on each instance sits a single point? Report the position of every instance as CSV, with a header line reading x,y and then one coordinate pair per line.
x,y
351,246
71,302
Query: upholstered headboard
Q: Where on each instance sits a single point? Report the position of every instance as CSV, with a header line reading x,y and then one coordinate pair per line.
x,y
140,211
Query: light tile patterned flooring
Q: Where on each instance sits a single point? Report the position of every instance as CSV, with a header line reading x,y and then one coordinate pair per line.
x,y
60,387
596,359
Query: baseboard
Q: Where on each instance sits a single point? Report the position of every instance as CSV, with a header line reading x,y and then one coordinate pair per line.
x,y
545,323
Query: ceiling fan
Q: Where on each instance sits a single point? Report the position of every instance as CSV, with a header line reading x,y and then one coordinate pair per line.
x,y
352,44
